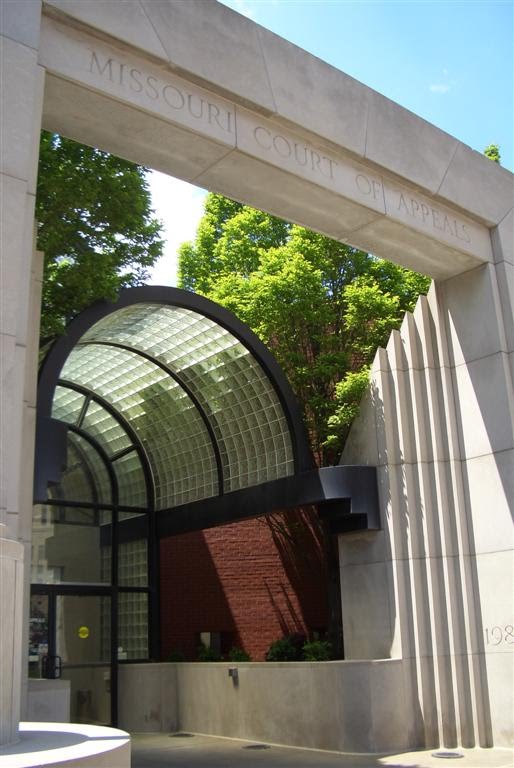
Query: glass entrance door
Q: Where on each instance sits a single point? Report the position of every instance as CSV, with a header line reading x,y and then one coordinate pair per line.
x,y
83,644
70,638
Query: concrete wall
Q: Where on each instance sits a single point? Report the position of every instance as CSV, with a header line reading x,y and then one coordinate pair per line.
x,y
347,706
435,587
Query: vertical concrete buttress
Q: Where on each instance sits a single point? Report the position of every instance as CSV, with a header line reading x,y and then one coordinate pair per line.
x,y
22,98
435,586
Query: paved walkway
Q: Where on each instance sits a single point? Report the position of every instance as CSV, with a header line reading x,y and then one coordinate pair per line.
x,y
193,751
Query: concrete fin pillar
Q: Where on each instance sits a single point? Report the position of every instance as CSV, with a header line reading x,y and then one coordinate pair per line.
x,y
438,422
21,108
11,610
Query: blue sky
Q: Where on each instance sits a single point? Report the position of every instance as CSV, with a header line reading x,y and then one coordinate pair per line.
x,y
449,62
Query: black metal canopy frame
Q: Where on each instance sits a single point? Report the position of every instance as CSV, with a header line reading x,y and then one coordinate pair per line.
x,y
227,393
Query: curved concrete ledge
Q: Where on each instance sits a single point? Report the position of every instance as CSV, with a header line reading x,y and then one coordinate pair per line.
x,y
67,745
343,706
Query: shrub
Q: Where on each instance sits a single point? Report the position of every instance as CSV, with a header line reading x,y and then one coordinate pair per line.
x,y
237,654
317,650
207,654
175,655
286,649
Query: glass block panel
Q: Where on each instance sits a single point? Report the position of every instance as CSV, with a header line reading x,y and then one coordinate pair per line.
x,y
246,417
132,625
105,563
132,559
104,428
131,480
67,405
133,563
232,388
160,412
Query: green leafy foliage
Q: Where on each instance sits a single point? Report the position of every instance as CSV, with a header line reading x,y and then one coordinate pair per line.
x,y
317,650
493,153
289,648
95,228
321,306
348,395
175,655
296,648
237,654
205,653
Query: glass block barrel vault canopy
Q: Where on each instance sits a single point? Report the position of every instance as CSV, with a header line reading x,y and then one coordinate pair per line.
x,y
170,388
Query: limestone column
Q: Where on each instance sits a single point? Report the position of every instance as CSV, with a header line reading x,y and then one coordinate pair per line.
x,y
21,106
480,328
435,586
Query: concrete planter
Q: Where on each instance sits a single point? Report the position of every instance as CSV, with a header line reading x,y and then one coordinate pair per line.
x,y
351,706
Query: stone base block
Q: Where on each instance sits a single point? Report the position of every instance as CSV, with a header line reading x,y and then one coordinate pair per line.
x,y
48,701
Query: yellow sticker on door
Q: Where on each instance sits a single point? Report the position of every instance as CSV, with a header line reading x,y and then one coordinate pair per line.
x,y
83,633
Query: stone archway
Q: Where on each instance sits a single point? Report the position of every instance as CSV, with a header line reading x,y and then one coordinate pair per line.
x,y
167,85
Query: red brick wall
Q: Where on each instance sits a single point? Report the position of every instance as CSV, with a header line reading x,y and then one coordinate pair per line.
x,y
253,581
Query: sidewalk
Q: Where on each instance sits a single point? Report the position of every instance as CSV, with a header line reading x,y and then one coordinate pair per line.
x,y
194,751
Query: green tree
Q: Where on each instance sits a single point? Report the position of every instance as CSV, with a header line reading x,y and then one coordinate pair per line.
x,y
95,228
322,307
